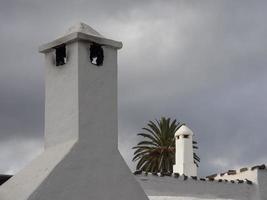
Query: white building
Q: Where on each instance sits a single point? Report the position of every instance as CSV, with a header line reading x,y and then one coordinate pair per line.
x,y
230,187
81,160
183,184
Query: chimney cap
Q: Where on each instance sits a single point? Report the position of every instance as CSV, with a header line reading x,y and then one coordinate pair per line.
x,y
83,28
184,130
80,31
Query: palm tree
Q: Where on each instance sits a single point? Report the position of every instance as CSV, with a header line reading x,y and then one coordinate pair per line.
x,y
157,152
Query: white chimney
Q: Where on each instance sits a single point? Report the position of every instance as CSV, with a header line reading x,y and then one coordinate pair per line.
x,y
184,160
81,158
80,94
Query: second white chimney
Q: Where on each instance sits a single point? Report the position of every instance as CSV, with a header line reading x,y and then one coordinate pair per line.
x,y
184,159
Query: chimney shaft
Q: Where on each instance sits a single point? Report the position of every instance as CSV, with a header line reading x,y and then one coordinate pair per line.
x,y
81,159
81,88
184,160
81,105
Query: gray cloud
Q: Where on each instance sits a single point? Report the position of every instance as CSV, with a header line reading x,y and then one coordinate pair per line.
x,y
200,62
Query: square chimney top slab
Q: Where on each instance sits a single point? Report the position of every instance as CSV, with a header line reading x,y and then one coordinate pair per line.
x,y
80,31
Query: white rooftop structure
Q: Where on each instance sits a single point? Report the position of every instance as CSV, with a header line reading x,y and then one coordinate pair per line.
x,y
81,160
83,28
244,184
184,130
184,160
183,184
81,32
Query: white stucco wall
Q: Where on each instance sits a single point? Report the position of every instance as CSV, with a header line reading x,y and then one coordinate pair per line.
x,y
61,97
94,168
257,176
81,103
249,174
22,185
184,161
182,198
262,184
162,187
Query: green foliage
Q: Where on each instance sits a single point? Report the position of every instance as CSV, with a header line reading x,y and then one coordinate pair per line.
x,y
156,152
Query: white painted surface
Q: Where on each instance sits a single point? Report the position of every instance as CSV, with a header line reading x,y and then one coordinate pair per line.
x,y
184,161
181,198
179,188
80,32
21,186
61,98
249,174
262,181
94,169
81,104
83,28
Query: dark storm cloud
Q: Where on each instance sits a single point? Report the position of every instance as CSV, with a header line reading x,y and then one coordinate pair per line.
x,y
200,62
210,74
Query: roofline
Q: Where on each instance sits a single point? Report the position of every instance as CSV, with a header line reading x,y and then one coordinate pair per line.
x,y
241,170
76,36
176,176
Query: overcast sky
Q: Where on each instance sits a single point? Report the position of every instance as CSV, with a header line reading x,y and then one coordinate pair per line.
x,y
201,62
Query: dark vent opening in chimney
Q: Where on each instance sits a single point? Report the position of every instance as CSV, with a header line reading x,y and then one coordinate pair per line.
x,y
96,54
61,58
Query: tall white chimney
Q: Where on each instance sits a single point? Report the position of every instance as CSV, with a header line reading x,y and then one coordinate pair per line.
x,y
81,160
184,159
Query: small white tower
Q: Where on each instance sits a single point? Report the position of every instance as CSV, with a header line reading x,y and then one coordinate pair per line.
x,y
184,160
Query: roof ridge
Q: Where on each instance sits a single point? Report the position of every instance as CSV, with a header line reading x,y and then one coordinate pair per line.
x,y
195,178
243,169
